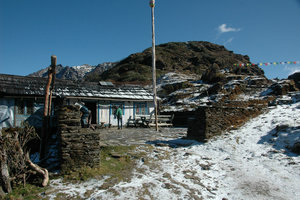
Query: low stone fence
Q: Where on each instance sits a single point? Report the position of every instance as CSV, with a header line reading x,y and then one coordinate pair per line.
x,y
211,121
79,146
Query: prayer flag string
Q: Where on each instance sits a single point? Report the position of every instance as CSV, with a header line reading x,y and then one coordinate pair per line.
x,y
266,63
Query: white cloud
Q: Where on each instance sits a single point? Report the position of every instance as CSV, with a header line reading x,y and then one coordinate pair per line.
x,y
224,29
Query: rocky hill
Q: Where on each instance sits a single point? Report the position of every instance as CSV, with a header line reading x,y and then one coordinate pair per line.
x,y
189,74
95,74
194,57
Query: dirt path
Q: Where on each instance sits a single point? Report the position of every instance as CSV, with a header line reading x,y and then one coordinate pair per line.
x,y
135,136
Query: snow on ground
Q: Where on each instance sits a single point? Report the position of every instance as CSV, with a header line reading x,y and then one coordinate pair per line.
x,y
253,162
173,78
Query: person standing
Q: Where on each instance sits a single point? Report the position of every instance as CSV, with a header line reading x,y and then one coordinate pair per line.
x,y
85,113
119,114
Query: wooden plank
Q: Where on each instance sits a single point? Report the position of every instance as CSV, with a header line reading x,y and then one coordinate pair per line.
x,y
164,116
161,125
164,119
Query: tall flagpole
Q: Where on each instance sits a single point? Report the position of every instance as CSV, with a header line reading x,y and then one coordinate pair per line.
x,y
152,5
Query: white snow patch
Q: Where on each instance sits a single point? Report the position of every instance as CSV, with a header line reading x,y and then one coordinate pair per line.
x,y
173,78
253,162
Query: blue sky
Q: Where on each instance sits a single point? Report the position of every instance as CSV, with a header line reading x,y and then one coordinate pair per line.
x,y
96,31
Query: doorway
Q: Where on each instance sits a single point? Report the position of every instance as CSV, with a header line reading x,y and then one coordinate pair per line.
x,y
92,106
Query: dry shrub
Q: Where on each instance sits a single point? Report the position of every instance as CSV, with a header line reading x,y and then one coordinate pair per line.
x,y
16,166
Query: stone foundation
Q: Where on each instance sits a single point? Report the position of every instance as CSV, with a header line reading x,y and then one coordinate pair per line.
x,y
79,146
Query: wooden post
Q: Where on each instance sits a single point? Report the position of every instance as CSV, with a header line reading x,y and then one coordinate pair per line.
x,y
47,107
152,5
53,71
6,179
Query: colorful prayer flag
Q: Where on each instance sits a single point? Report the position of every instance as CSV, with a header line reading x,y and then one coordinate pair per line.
x,y
266,63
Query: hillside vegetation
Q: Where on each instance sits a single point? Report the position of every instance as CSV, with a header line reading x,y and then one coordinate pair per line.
x,y
184,57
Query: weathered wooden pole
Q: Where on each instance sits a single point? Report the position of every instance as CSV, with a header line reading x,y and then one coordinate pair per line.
x,y
152,5
53,72
47,107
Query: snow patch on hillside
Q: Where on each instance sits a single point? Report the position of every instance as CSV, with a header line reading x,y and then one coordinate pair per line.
x,y
173,78
190,97
82,70
85,67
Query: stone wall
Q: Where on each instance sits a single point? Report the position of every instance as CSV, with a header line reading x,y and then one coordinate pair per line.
x,y
211,121
181,118
79,146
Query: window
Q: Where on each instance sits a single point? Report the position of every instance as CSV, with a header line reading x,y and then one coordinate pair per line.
x,y
141,109
24,107
20,105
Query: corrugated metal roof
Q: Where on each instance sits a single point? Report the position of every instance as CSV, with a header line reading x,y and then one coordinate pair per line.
x,y
22,85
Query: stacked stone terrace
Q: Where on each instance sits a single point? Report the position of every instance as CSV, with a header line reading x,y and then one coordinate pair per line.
x,y
79,147
210,121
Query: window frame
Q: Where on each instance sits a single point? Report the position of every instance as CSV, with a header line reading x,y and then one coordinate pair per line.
x,y
24,106
139,106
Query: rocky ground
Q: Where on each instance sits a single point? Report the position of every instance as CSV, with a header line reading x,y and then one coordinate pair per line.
x,y
253,162
139,136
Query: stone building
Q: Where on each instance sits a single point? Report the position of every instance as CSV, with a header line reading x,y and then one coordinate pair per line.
x,y
22,99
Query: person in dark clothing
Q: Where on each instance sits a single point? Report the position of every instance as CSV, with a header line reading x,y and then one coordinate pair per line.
x,y
86,113
119,114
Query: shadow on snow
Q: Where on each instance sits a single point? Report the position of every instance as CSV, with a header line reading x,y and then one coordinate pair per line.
x,y
282,138
175,143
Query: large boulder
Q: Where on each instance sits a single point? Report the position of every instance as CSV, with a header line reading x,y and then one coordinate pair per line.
x,y
283,87
295,77
296,148
213,74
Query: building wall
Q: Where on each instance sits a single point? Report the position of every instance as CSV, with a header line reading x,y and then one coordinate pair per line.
x,y
14,111
106,111
103,112
34,118
6,112
151,107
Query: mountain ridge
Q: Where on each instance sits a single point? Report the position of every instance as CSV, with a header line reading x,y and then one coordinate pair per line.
x,y
75,73
193,57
